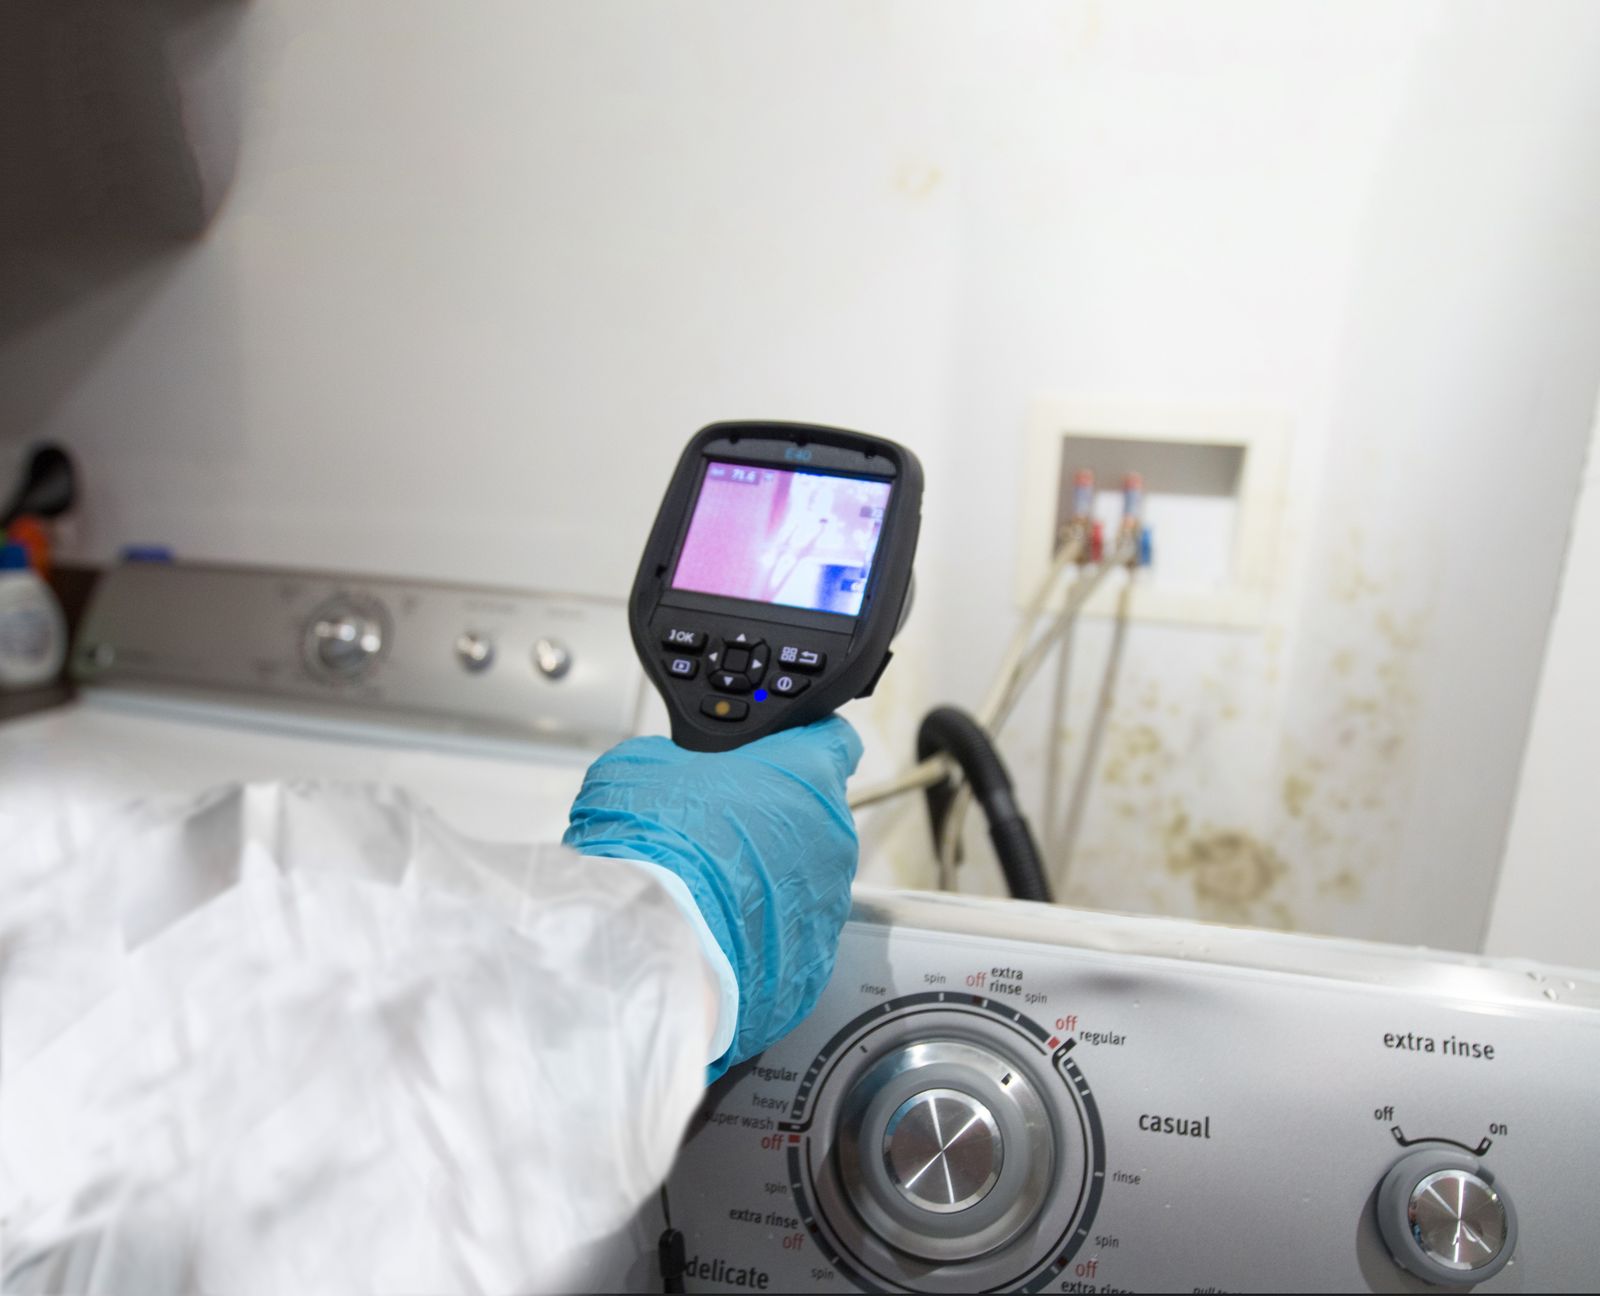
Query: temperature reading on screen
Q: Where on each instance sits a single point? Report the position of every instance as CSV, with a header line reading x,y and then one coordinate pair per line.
x,y
735,473
770,535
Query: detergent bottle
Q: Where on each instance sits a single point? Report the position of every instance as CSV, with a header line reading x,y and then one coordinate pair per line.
x,y
33,632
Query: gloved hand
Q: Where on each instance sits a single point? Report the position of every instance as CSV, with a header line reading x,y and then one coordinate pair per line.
x,y
765,843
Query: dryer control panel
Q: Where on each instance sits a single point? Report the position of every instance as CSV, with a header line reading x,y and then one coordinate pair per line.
x,y
323,649
993,1096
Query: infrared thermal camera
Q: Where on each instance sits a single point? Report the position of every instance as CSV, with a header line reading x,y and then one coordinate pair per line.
x,y
775,576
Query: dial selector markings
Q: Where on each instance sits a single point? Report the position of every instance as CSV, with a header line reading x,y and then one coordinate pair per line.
x,y
946,1143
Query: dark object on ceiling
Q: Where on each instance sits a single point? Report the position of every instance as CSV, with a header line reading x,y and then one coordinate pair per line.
x,y
48,486
119,119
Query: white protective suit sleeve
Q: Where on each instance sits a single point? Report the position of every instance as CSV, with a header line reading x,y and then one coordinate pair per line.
x,y
310,1039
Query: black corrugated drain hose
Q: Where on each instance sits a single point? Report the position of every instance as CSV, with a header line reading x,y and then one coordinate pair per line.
x,y
952,732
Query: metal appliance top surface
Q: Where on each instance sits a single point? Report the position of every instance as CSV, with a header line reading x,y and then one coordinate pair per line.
x,y
1404,969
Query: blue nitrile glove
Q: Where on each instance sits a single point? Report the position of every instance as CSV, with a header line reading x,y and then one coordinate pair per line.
x,y
763,840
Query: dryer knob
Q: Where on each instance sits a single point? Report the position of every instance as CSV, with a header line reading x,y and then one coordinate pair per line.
x,y
1445,1219
475,651
552,658
345,640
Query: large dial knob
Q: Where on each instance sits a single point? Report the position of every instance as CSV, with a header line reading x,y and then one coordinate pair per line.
x,y
345,638
946,1149
943,1150
1445,1219
946,1143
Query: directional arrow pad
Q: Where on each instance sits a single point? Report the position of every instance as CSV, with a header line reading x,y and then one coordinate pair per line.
x,y
735,664
759,656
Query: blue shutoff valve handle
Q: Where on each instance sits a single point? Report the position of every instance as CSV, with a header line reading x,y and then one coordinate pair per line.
x,y
762,838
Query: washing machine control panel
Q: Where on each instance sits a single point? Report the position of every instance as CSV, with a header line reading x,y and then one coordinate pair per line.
x,y
1023,1099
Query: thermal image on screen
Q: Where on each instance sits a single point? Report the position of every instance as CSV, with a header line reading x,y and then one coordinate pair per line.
x,y
774,536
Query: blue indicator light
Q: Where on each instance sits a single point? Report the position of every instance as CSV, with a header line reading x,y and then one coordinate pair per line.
x,y
760,695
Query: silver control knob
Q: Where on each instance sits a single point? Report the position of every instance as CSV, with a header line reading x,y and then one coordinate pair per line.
x,y
345,638
1445,1219
946,1150
552,658
943,1150
1458,1220
475,651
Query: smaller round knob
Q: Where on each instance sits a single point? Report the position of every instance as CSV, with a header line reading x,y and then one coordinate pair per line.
x,y
1445,1219
552,657
1458,1220
475,651
99,656
943,1150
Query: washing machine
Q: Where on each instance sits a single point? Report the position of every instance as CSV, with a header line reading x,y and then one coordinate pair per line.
x,y
998,1096
989,1095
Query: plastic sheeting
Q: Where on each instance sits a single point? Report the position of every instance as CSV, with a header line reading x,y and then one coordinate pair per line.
x,y
311,1039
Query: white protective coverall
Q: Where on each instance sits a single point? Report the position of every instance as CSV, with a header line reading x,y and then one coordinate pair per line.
x,y
312,1039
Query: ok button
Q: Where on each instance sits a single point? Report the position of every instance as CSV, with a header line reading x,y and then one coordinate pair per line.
x,y
684,640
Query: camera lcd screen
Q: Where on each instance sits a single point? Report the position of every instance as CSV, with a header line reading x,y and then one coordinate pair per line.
x,y
771,535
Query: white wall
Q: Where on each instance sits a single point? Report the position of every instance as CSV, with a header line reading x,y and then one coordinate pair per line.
x,y
471,256
482,271
1469,368
1378,223
1549,892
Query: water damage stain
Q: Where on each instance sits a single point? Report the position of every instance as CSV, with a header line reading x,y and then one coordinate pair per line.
x,y
1343,885
917,179
1135,752
1233,873
1297,790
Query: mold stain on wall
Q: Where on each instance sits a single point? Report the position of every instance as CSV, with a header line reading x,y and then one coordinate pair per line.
x,y
1304,839
1346,766
1233,873
1135,757
1297,790
917,179
1181,818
